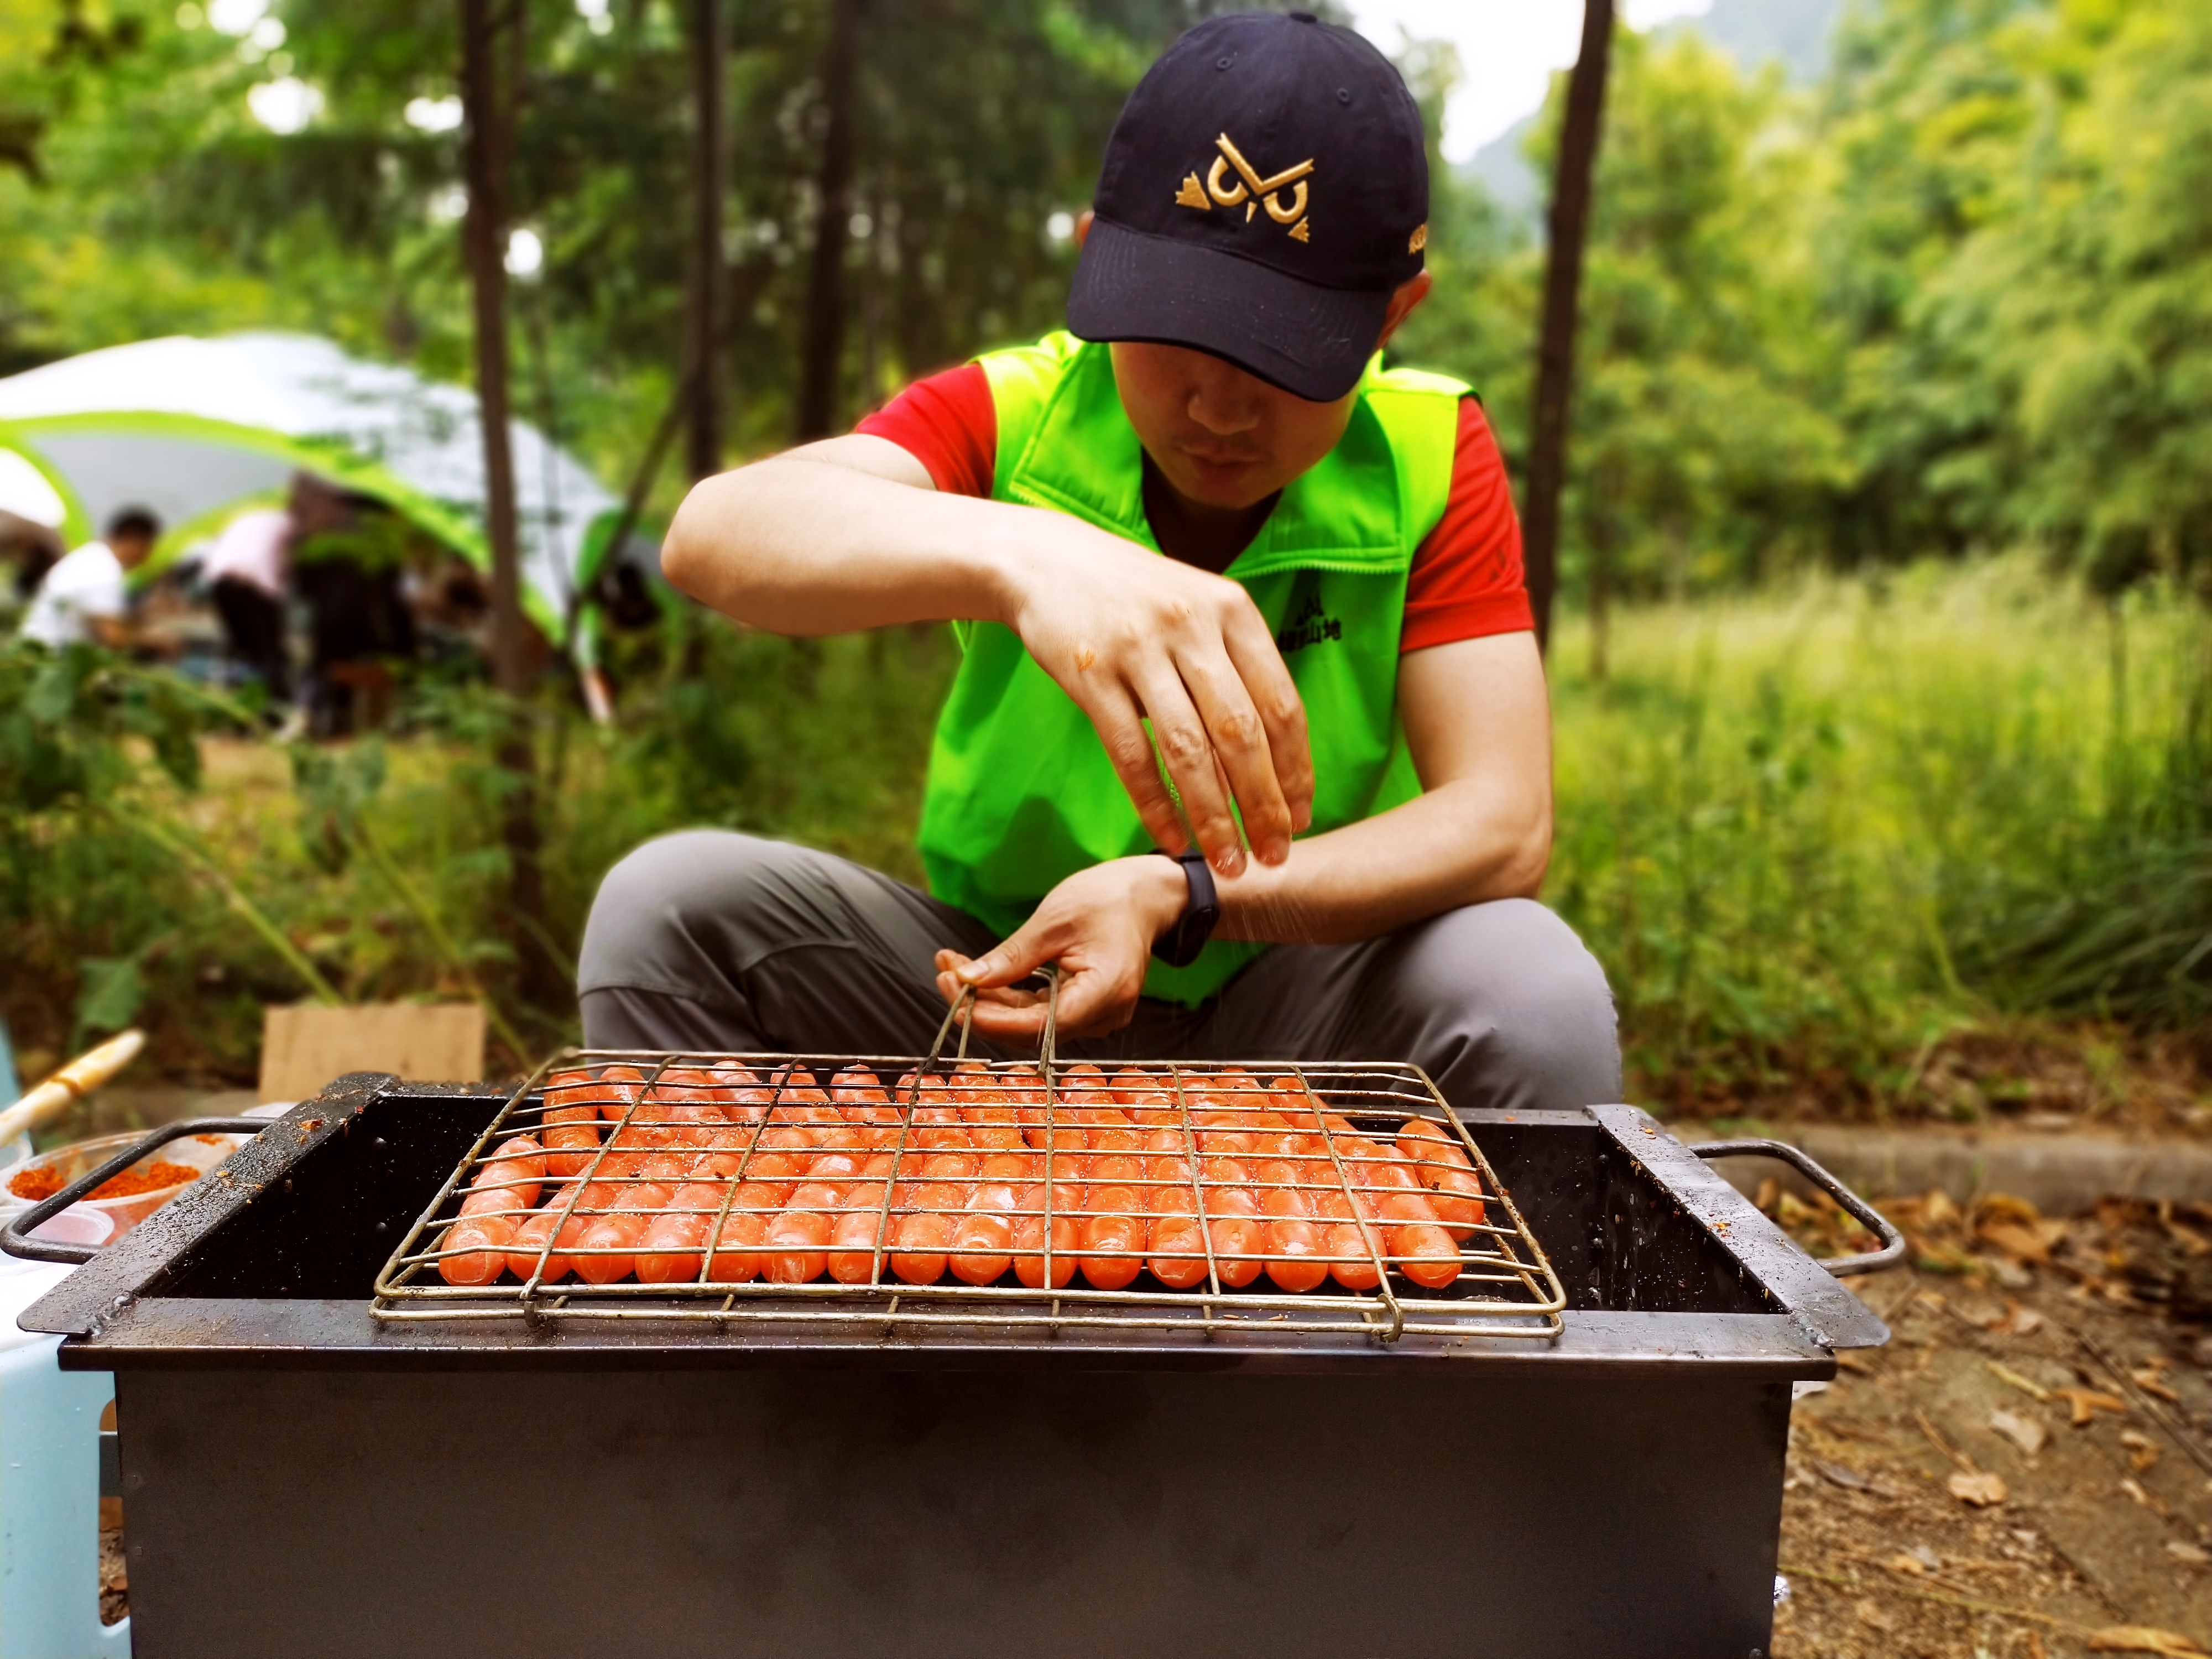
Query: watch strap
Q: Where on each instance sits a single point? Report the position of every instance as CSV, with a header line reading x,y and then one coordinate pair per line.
x,y
1179,946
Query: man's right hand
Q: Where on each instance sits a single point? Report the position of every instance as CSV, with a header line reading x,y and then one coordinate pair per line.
x,y
1132,637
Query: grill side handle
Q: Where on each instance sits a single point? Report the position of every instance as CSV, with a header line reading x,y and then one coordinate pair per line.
x,y
1892,1241
16,1238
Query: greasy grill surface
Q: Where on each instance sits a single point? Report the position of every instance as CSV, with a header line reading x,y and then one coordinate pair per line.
x,y
736,1188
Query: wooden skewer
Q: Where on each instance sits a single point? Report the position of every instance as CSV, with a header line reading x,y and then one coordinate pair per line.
x,y
70,1085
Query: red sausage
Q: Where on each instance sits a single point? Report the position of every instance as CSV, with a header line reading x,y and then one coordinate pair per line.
x,y
495,1200
676,1236
616,1088
1425,1253
571,1109
1175,1243
534,1233
1455,1195
750,1208
1028,1241
922,1247
1294,1243
798,1241
983,1239
1114,1238
486,1237
852,1240
1351,1262
519,1167
606,1252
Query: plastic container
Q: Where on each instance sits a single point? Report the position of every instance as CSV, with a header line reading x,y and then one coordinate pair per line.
x,y
49,1486
200,1152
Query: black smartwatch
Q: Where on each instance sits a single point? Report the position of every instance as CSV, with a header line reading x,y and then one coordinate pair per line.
x,y
1179,946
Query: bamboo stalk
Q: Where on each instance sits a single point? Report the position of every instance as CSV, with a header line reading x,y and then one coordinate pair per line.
x,y
412,897
271,935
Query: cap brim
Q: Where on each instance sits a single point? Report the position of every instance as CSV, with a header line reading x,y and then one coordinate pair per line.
x,y
1312,342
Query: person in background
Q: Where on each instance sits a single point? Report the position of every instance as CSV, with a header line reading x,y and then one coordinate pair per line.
x,y
247,572
85,598
32,549
348,557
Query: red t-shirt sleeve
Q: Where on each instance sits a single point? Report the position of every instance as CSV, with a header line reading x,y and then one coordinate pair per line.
x,y
949,424
1466,580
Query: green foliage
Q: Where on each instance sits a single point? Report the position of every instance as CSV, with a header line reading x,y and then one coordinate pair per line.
x,y
1957,300
160,205
1808,832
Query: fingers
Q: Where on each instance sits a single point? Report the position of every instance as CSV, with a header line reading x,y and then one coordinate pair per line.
x,y
1187,749
1018,956
1282,715
1121,728
1089,1005
998,1012
1240,743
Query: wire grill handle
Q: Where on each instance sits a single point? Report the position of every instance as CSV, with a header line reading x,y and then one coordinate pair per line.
x,y
1892,1241
16,1239
962,1012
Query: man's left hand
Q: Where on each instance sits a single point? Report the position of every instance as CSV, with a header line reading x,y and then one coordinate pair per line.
x,y
1099,925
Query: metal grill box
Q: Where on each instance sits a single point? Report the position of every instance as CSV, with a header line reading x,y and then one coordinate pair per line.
x,y
301,1476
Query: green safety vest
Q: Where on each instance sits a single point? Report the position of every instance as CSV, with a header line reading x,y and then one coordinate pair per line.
x,y
1021,794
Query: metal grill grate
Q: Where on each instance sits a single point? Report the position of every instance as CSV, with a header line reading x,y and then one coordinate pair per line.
x,y
913,1191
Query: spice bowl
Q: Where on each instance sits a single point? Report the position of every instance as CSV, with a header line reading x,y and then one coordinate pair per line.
x,y
198,1153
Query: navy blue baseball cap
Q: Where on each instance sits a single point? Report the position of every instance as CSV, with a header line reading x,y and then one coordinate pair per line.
x,y
1264,192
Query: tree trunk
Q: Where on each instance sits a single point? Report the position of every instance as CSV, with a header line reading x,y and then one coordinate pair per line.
x,y
702,346
1555,352
485,157
1600,600
484,160
823,350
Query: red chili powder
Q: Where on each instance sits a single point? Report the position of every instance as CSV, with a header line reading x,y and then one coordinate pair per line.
x,y
44,1181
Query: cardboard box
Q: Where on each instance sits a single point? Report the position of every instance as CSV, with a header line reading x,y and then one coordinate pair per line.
x,y
304,1047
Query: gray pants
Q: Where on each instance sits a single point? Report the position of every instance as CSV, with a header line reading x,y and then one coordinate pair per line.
x,y
710,940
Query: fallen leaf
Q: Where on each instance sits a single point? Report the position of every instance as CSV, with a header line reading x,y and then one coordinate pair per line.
x,y
2148,1380
1981,1489
1870,1614
1911,1566
2006,1374
2025,1432
2189,1240
2143,1450
2142,1638
2087,1402
2133,1489
1966,1463
2035,1648
2007,1272
1850,1480
2020,1243
2188,1554
2025,1322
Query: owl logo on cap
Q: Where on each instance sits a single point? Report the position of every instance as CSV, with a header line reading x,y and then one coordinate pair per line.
x,y
1250,189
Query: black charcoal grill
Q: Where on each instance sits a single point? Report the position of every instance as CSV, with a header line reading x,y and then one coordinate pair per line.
x,y
1575,1449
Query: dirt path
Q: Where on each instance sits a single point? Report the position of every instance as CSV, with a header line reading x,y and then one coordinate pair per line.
x,y
2026,1469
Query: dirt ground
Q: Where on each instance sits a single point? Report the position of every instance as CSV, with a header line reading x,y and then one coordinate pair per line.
x,y
2026,1469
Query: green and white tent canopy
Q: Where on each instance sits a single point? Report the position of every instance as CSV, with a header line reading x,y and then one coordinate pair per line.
x,y
192,428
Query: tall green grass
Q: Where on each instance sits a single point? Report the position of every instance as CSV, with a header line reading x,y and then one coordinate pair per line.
x,y
1811,831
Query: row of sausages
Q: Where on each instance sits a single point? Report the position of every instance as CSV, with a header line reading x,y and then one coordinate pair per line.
x,y
792,1183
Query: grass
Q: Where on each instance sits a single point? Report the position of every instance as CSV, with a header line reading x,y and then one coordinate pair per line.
x,y
1814,833
1873,846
